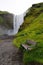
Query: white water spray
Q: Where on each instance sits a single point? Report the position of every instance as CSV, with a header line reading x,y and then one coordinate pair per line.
x,y
17,22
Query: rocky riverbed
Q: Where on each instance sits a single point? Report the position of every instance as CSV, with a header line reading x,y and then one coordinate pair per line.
x,y
9,54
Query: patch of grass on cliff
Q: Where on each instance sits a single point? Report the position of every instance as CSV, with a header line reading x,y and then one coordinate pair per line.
x,y
33,32
4,12
1,20
32,29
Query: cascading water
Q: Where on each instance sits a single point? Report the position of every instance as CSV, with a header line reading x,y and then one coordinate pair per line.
x,y
17,21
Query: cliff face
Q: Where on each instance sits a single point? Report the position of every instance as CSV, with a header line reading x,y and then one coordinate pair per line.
x,y
32,14
6,19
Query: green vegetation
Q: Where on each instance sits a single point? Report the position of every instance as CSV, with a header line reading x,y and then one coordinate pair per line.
x,y
32,29
1,20
6,19
4,12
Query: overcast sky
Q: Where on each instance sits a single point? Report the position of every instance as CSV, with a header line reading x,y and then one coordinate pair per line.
x,y
17,6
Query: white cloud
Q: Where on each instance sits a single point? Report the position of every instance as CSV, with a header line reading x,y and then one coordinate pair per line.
x,y
17,6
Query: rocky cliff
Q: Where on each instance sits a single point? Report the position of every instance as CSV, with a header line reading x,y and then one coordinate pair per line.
x,y
6,19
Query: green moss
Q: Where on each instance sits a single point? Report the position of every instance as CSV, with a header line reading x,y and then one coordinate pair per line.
x,y
32,29
34,55
1,20
4,12
31,32
6,19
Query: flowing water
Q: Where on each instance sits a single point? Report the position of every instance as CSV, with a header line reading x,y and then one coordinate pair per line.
x,y
17,22
9,54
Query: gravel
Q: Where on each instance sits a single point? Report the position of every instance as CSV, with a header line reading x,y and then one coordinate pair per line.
x,y
9,54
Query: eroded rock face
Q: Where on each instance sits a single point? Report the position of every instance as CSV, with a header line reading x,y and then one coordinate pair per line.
x,y
3,30
6,20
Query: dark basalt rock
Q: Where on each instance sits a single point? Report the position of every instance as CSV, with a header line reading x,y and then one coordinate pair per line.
x,y
34,63
7,20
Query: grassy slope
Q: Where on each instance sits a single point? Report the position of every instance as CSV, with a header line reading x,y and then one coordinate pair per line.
x,y
34,31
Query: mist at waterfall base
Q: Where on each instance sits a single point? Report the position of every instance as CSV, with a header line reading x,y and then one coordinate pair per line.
x,y
17,22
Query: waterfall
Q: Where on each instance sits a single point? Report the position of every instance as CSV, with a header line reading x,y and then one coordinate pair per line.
x,y
17,22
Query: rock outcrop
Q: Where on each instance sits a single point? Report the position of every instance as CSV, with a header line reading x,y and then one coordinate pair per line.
x,y
6,19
